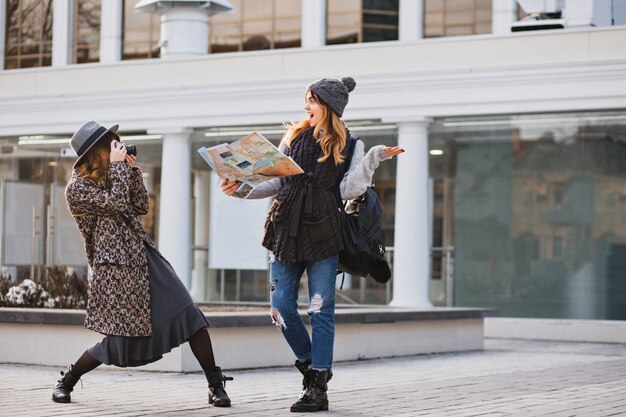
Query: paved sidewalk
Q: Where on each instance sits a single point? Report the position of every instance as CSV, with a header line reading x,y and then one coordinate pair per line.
x,y
508,378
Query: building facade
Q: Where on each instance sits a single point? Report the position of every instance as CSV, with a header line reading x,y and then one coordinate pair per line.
x,y
511,192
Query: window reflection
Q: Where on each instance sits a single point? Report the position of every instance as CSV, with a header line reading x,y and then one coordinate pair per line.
x,y
141,33
456,17
256,25
538,212
28,33
86,31
356,21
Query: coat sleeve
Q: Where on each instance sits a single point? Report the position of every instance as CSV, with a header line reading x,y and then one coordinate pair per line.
x,y
85,198
361,171
138,193
269,188
266,189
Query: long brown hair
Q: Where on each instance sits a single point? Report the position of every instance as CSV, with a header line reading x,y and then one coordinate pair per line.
x,y
94,166
330,132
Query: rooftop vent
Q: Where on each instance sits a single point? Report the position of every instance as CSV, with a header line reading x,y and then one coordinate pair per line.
x,y
559,14
540,14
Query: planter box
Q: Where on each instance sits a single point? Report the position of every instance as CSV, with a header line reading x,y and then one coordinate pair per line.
x,y
249,339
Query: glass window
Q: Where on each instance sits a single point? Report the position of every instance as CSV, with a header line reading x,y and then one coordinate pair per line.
x,y
141,33
86,31
355,21
28,34
38,230
537,212
256,25
456,17
380,20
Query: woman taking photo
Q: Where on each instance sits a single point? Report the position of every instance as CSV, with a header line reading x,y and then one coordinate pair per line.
x,y
302,230
135,298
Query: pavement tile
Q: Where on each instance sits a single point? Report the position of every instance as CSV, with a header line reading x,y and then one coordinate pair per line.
x,y
507,378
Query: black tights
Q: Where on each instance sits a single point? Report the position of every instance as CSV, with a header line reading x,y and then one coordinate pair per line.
x,y
84,364
200,344
202,349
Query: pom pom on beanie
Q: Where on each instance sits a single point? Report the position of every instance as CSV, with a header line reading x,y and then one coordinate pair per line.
x,y
349,83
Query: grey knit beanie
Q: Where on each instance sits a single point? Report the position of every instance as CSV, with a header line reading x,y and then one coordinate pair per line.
x,y
334,92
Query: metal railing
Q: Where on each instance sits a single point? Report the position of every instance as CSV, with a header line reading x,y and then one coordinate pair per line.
x,y
447,270
445,254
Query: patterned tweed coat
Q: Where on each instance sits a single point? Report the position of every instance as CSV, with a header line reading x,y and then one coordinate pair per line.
x,y
119,293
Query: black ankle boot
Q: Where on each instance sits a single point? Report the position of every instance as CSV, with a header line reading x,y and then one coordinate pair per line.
x,y
305,370
64,386
314,398
217,383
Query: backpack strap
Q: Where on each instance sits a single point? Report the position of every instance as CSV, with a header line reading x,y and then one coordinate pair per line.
x,y
348,152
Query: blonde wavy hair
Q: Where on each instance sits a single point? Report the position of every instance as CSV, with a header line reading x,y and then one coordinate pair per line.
x,y
95,164
330,132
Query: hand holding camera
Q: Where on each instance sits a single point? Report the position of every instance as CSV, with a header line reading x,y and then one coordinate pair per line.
x,y
118,151
122,152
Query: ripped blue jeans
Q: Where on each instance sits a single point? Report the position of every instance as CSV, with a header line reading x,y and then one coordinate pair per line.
x,y
284,284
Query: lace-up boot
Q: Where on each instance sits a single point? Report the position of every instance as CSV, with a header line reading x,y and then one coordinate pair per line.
x,y
64,386
217,382
314,398
305,370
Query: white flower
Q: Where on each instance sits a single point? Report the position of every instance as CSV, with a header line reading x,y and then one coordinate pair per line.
x,y
29,287
46,301
15,295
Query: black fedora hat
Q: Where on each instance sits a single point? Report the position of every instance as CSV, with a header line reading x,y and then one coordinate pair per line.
x,y
87,136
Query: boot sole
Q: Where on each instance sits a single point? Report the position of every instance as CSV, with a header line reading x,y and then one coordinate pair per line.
x,y
62,400
322,407
217,403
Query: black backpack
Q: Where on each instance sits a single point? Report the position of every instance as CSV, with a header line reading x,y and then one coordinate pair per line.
x,y
363,235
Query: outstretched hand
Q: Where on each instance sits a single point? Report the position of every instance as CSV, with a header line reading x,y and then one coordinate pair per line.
x,y
229,187
393,151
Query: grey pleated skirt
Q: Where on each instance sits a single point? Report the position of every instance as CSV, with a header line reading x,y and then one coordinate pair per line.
x,y
175,318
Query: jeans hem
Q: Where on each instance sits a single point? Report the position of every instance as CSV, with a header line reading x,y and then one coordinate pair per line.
x,y
321,368
304,359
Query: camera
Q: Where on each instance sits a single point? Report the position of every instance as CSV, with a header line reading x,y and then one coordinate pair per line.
x,y
131,149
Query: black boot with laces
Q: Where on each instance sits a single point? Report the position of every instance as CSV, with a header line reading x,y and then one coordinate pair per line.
x,y
64,386
305,370
217,382
314,398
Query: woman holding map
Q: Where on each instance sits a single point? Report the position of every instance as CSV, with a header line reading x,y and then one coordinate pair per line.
x,y
302,229
135,298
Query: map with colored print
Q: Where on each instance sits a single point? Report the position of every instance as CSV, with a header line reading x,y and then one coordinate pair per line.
x,y
250,160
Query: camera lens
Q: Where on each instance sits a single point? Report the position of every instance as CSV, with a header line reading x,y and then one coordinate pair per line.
x,y
131,150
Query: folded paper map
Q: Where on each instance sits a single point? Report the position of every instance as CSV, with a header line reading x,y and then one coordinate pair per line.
x,y
250,160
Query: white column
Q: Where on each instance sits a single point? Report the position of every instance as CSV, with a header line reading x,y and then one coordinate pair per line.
x,y
184,33
411,20
3,24
411,265
112,14
201,193
503,14
313,23
175,201
61,32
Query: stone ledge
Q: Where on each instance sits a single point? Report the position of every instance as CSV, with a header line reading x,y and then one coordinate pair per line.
x,y
57,337
352,315
565,330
